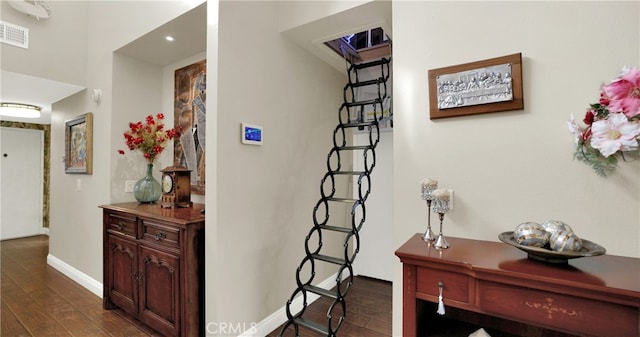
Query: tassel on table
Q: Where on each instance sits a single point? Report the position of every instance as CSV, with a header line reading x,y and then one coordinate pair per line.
x,y
441,310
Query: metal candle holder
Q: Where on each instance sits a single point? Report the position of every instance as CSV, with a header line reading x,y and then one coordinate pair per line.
x,y
441,206
427,189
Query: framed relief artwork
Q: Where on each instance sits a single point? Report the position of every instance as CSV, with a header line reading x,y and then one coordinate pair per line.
x,y
485,86
78,152
190,114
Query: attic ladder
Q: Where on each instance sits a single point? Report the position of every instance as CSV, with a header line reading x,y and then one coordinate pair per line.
x,y
352,115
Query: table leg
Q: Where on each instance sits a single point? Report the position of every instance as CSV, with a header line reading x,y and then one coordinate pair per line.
x,y
409,327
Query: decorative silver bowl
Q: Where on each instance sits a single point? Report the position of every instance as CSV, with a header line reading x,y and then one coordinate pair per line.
x,y
547,255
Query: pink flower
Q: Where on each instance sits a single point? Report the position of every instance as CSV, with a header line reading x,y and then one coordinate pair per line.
x,y
580,135
604,100
624,93
614,134
575,130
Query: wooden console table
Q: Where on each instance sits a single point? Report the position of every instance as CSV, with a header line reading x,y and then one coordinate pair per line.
x,y
154,265
591,296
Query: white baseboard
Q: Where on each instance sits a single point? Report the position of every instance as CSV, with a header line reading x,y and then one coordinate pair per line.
x,y
273,321
262,328
79,277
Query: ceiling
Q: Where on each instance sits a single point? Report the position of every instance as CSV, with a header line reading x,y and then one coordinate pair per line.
x,y
189,31
21,88
313,35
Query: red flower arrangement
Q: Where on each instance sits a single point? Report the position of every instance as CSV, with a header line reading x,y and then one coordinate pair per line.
x,y
150,138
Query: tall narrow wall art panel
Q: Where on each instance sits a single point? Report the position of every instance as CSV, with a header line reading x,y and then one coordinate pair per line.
x,y
190,111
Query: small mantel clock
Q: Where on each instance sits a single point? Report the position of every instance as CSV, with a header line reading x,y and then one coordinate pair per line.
x,y
176,187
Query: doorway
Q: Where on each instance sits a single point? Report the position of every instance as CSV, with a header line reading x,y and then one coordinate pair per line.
x,y
22,184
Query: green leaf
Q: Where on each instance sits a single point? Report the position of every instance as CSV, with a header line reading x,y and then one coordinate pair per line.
x,y
602,165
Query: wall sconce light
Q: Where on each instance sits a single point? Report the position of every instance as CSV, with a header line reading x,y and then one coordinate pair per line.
x,y
20,110
96,96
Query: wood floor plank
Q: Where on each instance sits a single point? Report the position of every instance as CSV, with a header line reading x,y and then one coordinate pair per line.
x,y
65,313
35,319
115,324
10,325
368,304
38,300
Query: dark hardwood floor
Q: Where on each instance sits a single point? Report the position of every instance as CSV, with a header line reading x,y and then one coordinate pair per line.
x,y
39,301
368,311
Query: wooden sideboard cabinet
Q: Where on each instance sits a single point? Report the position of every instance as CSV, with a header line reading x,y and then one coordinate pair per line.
x,y
154,265
595,296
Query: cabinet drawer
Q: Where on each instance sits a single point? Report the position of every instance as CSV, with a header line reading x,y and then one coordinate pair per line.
x,y
558,311
162,234
456,286
120,223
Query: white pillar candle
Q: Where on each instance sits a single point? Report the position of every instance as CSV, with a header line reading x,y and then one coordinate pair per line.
x,y
429,183
441,194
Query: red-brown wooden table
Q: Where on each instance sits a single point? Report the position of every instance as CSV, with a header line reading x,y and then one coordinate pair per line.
x,y
589,296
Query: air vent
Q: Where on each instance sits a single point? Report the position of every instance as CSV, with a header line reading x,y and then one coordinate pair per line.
x,y
14,35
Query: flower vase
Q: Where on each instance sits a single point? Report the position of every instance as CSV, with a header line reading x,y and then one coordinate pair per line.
x,y
147,190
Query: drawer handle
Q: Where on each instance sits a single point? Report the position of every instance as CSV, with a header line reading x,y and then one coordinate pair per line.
x,y
160,236
120,225
441,310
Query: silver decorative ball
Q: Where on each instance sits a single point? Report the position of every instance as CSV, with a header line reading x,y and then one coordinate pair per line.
x,y
531,234
565,241
553,226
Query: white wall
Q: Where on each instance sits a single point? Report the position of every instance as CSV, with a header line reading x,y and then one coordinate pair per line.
x,y
254,240
137,92
141,88
511,167
211,270
299,13
311,23
57,48
265,194
247,261
76,220
375,258
505,167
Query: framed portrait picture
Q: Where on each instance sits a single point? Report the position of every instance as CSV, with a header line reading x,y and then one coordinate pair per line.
x,y
490,85
78,152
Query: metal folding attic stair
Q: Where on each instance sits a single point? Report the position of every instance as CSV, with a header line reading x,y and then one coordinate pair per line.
x,y
364,115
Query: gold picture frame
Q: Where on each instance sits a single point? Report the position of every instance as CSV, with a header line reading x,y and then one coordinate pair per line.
x,y
485,86
78,152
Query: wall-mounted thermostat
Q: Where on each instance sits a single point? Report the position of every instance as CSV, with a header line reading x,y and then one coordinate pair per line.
x,y
251,134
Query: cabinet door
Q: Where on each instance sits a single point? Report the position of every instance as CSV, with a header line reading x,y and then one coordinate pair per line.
x,y
122,273
160,290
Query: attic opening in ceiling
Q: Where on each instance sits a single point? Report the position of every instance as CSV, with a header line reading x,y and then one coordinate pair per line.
x,y
363,46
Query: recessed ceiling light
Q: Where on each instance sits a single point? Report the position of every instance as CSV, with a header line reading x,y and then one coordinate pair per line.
x,y
169,38
20,110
